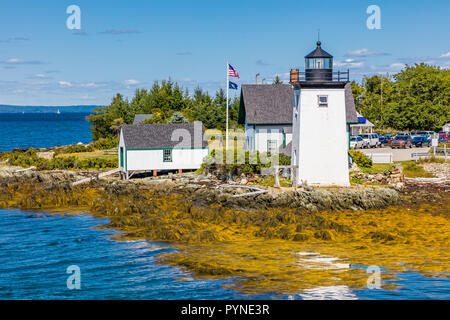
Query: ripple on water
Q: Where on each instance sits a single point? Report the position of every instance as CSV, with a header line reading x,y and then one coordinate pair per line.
x,y
35,253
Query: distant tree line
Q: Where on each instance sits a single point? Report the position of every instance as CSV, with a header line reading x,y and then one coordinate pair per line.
x,y
417,98
167,102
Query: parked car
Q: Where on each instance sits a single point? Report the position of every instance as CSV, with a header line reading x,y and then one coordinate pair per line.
x,y
429,134
371,140
383,139
415,134
403,141
444,137
356,142
386,138
421,141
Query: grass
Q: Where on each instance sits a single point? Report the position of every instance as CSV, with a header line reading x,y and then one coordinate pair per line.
x,y
270,182
412,169
378,168
89,155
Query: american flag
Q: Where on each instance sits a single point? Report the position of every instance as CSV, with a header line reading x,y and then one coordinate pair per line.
x,y
232,72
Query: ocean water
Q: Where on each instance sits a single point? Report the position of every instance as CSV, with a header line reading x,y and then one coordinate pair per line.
x,y
43,130
37,248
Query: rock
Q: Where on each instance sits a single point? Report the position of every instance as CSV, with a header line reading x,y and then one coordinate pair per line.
x,y
244,181
399,186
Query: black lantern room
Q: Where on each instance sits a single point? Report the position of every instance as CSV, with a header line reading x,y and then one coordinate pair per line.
x,y
319,65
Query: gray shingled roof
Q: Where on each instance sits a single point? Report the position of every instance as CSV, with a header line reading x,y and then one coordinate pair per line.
x,y
266,104
350,109
159,136
139,118
272,104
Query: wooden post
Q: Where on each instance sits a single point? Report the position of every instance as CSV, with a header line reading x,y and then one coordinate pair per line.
x,y
277,178
155,173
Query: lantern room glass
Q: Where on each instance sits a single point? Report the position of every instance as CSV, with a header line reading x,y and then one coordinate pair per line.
x,y
319,63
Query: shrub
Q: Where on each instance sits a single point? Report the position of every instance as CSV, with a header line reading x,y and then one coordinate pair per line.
x,y
361,159
30,159
106,143
243,162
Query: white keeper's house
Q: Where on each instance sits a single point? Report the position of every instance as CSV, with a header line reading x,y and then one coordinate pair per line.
x,y
308,119
157,147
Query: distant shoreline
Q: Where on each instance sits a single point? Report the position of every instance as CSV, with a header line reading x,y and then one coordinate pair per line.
x,y
12,109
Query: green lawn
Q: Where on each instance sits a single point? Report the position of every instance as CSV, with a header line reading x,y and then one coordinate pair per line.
x,y
412,169
378,168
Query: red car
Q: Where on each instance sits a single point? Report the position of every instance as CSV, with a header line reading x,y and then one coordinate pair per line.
x,y
402,142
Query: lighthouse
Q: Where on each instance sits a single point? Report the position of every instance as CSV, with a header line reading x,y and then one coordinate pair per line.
x,y
319,127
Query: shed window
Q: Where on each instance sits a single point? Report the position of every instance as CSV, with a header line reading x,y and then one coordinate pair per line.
x,y
272,146
323,101
168,155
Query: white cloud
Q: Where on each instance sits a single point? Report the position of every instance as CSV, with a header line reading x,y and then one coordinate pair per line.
x,y
349,63
92,85
20,61
445,55
131,82
397,66
64,84
364,53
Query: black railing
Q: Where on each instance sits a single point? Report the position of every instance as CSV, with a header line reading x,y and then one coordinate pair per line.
x,y
339,76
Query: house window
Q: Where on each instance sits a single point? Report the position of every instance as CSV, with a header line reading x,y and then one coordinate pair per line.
x,y
167,155
272,146
323,101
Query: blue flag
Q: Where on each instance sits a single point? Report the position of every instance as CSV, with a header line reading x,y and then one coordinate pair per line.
x,y
233,85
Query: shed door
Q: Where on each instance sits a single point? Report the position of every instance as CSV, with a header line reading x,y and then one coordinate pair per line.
x,y
121,157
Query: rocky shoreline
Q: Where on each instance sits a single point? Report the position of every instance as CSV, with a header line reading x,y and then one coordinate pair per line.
x,y
204,190
220,235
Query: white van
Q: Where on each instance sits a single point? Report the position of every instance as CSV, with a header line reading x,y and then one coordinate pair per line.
x,y
371,140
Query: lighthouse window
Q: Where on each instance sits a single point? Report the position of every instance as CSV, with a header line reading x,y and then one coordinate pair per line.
x,y
323,101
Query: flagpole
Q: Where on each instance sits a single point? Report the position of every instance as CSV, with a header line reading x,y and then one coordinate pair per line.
x,y
228,89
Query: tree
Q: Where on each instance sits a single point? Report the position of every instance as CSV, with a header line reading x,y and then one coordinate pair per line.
x,y
277,80
178,117
116,126
416,98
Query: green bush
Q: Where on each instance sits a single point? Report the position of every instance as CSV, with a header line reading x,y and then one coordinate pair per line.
x,y
106,143
243,162
30,159
361,160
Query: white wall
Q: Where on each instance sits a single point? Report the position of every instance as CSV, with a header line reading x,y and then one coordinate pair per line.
x,y
153,159
322,153
270,132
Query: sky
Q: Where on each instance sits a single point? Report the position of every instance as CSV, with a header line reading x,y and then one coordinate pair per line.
x,y
125,45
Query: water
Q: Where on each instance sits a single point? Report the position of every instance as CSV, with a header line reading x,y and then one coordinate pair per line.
x,y
43,130
37,248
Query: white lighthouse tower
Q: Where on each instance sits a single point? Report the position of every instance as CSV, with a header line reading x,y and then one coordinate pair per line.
x,y
320,134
